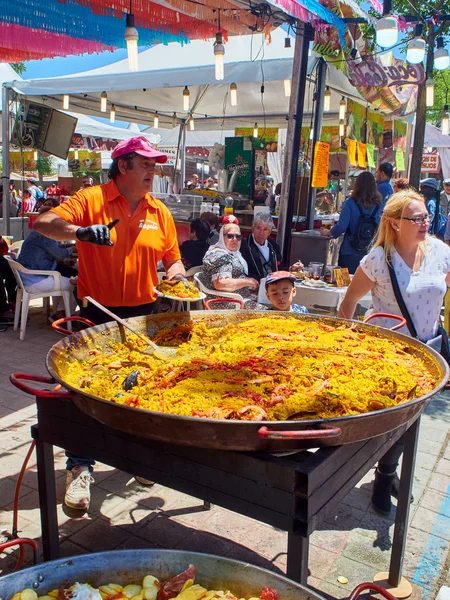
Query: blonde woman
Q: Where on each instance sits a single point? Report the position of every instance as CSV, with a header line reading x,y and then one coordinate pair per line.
x,y
422,268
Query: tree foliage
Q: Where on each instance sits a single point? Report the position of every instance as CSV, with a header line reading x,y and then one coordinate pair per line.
x,y
19,67
45,166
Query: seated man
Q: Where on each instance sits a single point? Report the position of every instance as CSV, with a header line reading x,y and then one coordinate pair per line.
x,y
194,249
213,221
262,255
280,290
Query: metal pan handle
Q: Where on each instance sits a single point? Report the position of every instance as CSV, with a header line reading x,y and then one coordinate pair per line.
x,y
373,587
63,331
208,303
387,316
17,380
302,434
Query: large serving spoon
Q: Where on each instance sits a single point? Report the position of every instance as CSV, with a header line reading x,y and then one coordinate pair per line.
x,y
152,349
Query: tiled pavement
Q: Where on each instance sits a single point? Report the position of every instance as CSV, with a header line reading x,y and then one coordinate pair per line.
x,y
354,541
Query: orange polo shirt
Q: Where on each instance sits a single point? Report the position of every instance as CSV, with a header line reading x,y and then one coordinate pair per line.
x,y
126,273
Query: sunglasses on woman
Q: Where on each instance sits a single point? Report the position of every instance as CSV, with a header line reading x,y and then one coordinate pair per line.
x,y
234,236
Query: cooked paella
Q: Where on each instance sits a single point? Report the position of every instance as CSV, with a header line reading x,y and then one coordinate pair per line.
x,y
181,289
268,368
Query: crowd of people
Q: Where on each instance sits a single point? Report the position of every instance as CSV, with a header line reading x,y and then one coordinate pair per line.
x,y
123,234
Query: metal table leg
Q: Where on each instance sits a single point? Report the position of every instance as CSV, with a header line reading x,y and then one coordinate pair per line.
x,y
47,497
403,505
297,558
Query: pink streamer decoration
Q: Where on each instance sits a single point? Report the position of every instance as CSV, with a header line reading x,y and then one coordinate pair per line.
x,y
404,25
377,6
296,10
39,42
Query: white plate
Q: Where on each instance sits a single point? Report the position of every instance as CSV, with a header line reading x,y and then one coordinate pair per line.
x,y
318,285
177,298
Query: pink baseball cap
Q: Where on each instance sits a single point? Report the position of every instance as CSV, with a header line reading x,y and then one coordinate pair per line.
x,y
141,146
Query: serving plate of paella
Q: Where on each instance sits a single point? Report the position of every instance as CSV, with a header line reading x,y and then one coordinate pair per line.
x,y
184,291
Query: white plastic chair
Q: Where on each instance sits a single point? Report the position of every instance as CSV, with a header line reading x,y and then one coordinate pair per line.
x,y
193,270
262,296
24,297
16,247
199,280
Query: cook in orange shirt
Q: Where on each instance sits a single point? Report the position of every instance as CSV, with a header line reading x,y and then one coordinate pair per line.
x,y
121,234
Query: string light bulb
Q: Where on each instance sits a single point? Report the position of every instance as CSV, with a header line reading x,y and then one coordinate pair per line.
x,y
342,108
186,97
387,27
191,123
75,154
429,87
35,155
219,53
287,42
66,102
112,114
341,128
233,94
255,130
132,37
441,56
287,88
445,121
327,100
174,120
156,120
415,51
103,101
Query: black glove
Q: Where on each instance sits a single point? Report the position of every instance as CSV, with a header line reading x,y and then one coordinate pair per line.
x,y
96,234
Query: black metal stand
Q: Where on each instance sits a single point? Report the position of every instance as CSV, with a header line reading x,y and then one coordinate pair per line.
x,y
293,493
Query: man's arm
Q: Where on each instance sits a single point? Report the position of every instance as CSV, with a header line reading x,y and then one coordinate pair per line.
x,y
52,226
174,268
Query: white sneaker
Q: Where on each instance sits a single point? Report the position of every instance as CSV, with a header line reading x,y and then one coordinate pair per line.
x,y
78,488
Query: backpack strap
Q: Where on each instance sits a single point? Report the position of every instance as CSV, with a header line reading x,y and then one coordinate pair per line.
x,y
374,212
399,298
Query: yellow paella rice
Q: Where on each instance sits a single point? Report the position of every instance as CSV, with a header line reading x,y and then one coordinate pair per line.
x,y
182,289
264,368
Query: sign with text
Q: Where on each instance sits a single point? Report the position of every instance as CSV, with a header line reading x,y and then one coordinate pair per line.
x,y
430,162
267,137
15,161
321,165
86,161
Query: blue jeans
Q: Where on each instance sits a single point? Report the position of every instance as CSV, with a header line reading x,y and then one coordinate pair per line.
x,y
78,461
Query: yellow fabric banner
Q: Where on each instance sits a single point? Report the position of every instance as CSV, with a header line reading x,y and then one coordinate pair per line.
x,y
351,151
321,165
399,159
362,155
370,149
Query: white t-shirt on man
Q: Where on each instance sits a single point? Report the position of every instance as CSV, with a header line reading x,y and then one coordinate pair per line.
x,y
423,291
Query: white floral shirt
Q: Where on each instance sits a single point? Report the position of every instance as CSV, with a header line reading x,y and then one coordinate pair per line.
x,y
423,291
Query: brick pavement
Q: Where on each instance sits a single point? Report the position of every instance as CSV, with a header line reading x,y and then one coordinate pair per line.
x,y
354,541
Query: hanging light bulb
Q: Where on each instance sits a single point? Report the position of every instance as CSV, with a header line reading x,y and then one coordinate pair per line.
x,y
219,53
66,102
156,120
75,154
255,130
387,27
233,94
311,134
287,42
287,88
103,101
415,52
445,121
174,120
441,57
112,114
342,108
341,128
131,37
186,96
429,86
191,123
327,100
35,155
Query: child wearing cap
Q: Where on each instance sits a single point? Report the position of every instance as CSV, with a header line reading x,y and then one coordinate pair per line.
x,y
280,290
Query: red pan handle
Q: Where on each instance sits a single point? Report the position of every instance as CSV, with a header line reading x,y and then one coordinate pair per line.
x,y
208,303
63,331
302,434
387,316
373,587
17,380
22,542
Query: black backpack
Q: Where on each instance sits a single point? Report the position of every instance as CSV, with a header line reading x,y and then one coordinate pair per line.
x,y
365,230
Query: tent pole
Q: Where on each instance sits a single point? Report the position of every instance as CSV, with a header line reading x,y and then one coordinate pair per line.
x,y
6,95
317,130
304,35
183,155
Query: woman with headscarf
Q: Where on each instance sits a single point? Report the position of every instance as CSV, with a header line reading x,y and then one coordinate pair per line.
x,y
224,267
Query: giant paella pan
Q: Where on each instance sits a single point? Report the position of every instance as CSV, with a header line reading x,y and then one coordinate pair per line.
x,y
249,381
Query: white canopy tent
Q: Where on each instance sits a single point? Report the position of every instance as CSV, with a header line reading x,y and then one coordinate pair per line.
x,y
138,95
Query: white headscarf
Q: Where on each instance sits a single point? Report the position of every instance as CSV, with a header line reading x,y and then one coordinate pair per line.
x,y
236,253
